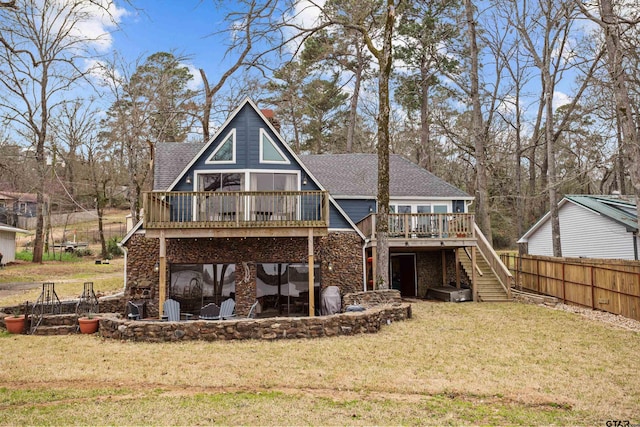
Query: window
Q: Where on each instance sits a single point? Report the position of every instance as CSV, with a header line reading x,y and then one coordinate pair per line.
x,y
283,289
221,181
269,151
226,151
223,207
195,285
274,206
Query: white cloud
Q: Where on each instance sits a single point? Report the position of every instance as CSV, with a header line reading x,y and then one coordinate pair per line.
x,y
196,82
103,73
560,99
98,19
306,13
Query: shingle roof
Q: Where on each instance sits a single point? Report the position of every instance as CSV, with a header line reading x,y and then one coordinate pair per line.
x,y
340,174
357,175
170,159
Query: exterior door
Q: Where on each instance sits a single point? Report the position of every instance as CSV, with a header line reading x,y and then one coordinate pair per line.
x,y
403,274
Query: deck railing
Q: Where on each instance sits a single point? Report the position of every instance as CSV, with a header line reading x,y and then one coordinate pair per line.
x,y
424,226
236,209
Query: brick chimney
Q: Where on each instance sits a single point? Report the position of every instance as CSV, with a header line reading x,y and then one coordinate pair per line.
x,y
270,115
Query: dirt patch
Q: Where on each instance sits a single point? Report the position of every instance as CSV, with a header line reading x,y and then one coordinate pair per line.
x,y
9,289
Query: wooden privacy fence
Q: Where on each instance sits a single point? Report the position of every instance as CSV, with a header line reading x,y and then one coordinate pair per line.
x,y
608,285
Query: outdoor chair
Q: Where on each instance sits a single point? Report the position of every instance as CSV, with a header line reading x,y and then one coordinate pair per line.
x,y
134,311
171,309
210,311
227,309
252,310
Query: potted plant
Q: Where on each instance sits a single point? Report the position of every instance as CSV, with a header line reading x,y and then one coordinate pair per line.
x,y
88,324
15,322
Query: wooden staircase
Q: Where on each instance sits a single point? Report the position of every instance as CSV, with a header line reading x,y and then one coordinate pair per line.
x,y
489,287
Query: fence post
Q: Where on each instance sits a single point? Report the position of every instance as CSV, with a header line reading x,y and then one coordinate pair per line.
x,y
593,301
563,284
538,275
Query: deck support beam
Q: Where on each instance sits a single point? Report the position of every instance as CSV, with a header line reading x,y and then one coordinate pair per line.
x,y
474,275
312,293
162,271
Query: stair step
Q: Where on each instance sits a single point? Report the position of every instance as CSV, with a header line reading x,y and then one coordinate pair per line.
x,y
56,330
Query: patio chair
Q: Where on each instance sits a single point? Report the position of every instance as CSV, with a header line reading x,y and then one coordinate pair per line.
x,y
210,311
252,310
134,311
227,309
171,309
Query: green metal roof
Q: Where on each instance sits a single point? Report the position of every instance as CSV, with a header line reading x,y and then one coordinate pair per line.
x,y
621,209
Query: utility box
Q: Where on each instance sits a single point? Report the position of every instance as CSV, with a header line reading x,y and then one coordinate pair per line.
x,y
449,294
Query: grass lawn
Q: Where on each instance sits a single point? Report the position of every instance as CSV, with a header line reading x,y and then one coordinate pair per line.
x,y
452,364
68,277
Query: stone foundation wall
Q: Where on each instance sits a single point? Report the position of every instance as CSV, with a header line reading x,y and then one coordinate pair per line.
x,y
341,250
369,321
372,298
429,266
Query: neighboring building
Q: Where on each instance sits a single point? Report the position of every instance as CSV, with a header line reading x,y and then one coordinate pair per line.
x,y
8,242
243,216
590,227
14,205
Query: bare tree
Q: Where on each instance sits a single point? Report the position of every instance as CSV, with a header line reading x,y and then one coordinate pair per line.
x,y
41,46
615,25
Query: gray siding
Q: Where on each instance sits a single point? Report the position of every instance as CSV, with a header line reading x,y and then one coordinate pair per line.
x,y
357,209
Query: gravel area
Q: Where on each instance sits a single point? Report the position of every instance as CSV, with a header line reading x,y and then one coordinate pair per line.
x,y
600,316
596,315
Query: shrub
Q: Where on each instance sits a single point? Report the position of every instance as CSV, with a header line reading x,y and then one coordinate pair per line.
x,y
112,247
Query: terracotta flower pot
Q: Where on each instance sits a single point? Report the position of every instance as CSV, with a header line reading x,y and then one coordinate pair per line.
x,y
15,325
88,325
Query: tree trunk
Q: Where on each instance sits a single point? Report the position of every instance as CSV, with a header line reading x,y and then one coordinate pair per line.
x,y
483,216
425,130
353,107
385,60
631,142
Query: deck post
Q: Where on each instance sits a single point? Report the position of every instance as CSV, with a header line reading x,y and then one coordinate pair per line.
x,y
444,267
474,274
162,284
374,269
456,251
312,308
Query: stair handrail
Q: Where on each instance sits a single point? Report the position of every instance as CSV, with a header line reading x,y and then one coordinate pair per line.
x,y
505,278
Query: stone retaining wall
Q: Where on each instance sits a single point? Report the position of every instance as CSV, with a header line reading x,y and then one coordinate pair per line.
x,y
368,321
372,298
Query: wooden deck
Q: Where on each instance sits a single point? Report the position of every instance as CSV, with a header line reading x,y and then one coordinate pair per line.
x,y
236,213
424,230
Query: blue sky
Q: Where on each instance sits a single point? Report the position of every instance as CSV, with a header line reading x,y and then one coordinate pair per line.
x,y
183,27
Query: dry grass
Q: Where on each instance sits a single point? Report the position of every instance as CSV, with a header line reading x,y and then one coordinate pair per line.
x,y
68,277
452,364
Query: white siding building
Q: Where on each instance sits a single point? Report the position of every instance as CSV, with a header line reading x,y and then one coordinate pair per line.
x,y
8,242
590,227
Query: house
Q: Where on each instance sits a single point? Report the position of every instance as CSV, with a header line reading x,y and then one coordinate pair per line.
x,y
419,203
14,204
243,217
8,242
590,227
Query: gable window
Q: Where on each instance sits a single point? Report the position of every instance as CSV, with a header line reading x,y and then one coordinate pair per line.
x,y
269,151
226,151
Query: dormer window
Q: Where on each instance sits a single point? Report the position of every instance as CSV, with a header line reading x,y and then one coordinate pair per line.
x,y
225,153
269,151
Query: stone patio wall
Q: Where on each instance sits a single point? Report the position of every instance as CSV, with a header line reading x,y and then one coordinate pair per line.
x,y
368,321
